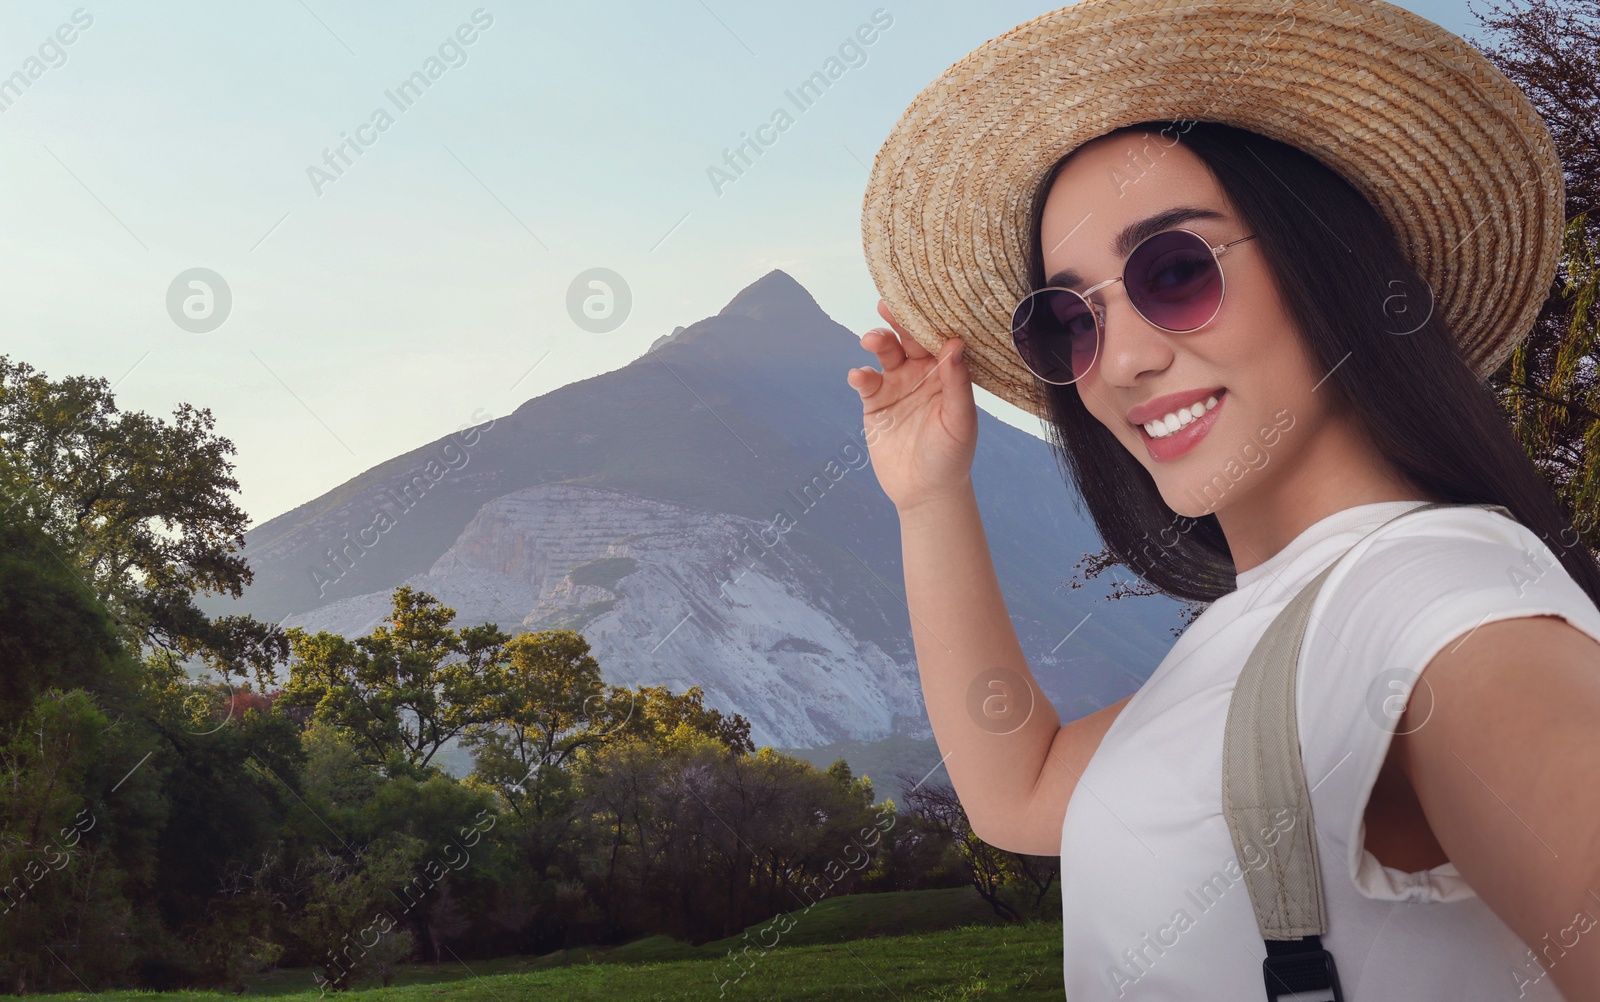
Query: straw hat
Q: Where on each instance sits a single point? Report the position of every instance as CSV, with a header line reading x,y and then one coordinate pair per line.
x,y
1450,152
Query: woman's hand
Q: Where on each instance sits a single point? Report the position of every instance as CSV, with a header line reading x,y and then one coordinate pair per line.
x,y
921,424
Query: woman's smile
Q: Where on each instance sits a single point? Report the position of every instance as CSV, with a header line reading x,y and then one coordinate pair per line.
x,y
1168,446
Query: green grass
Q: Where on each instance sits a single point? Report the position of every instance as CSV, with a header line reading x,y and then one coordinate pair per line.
x,y
972,962
860,916
823,956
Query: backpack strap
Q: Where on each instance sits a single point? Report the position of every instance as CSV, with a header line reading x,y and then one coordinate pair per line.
x,y
1267,805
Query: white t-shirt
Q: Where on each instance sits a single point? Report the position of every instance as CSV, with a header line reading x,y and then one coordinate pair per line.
x,y
1154,904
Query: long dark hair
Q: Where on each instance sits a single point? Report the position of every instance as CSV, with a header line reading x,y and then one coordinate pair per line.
x,y
1339,267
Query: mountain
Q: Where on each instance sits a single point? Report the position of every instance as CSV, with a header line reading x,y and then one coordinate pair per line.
x,y
707,515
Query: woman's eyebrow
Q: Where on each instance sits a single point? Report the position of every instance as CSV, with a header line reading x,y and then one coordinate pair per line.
x,y
1137,231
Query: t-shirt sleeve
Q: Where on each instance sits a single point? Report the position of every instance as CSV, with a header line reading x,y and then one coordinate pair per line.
x,y
1381,617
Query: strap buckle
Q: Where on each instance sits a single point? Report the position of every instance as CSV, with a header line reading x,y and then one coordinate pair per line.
x,y
1296,966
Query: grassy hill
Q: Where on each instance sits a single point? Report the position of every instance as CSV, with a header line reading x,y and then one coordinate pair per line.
x,y
971,962
946,944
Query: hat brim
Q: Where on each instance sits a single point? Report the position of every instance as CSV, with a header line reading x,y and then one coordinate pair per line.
x,y
1450,152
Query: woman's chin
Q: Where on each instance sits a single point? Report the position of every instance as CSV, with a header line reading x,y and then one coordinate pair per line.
x,y
1185,500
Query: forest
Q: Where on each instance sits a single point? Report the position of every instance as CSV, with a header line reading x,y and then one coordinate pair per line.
x,y
186,800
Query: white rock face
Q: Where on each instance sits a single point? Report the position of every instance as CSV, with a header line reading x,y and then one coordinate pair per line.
x,y
666,595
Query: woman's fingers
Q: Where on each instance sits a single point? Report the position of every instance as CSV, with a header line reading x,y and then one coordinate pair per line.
x,y
865,380
960,409
912,346
893,348
882,343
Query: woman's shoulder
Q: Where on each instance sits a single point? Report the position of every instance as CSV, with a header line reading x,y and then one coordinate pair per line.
x,y
1421,585
1403,593
1457,521
1473,539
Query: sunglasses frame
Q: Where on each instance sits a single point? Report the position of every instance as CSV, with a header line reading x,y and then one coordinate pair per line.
x,y
1099,312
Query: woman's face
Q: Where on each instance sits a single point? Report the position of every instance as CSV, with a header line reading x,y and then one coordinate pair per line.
x,y
1250,357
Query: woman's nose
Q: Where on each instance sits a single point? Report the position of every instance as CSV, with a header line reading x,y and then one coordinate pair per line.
x,y
1129,344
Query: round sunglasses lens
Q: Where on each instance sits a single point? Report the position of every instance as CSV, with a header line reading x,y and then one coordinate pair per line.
x,y
1056,335
1173,279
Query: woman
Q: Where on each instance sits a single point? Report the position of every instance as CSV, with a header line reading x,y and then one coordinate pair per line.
x,y
1240,407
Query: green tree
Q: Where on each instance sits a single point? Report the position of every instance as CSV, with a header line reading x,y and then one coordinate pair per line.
x,y
692,839
1016,886
224,810
859,789
431,899
449,821
1552,390
347,907
234,938
334,775
61,885
53,632
139,507
405,689
653,712
1550,386
550,705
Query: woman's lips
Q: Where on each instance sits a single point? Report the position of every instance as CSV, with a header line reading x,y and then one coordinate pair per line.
x,y
1186,438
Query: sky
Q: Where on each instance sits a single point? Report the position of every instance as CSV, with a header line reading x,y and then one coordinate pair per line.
x,y
238,206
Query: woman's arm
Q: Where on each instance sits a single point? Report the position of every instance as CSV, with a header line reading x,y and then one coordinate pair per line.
x,y
1506,765
1013,777
1013,771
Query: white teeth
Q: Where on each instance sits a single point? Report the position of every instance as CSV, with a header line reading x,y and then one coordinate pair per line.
x,y
1164,426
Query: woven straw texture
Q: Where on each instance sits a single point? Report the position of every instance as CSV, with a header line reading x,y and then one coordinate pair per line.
x,y
1450,152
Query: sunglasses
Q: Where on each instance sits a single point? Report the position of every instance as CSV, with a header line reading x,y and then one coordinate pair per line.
x,y
1173,278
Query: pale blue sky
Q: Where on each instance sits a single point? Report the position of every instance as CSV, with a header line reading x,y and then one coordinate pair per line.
x,y
418,287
